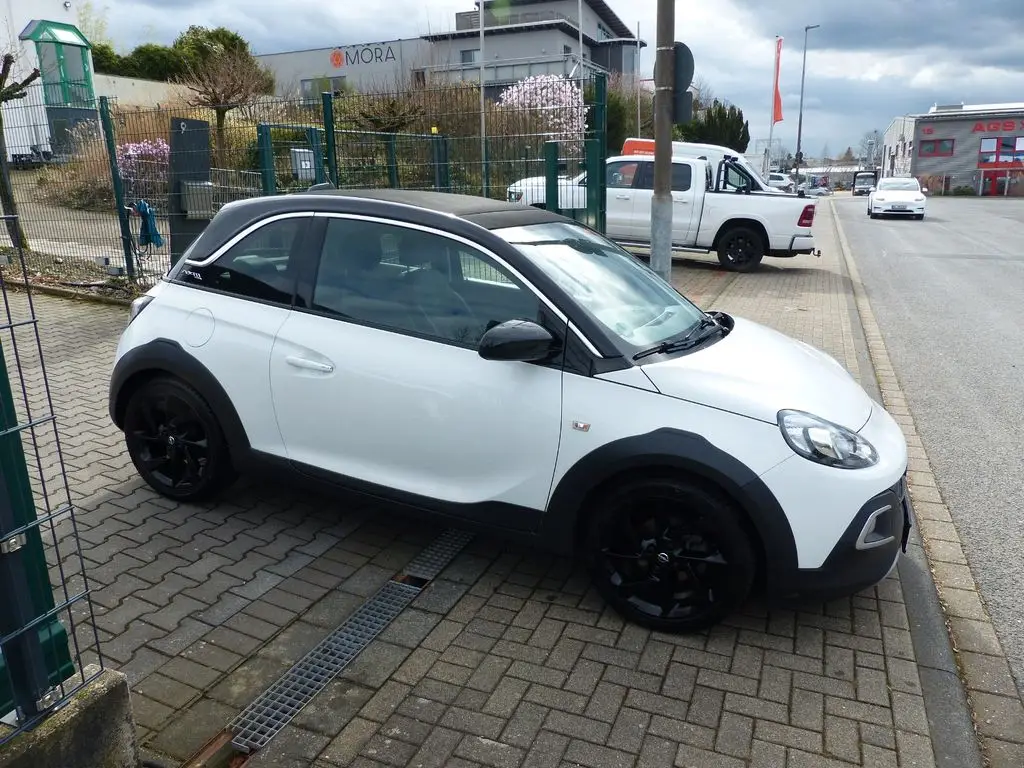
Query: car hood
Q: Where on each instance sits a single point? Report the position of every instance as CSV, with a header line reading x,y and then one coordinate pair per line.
x,y
536,181
897,194
756,372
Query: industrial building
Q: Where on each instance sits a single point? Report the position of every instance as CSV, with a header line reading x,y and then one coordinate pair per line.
x,y
975,146
521,38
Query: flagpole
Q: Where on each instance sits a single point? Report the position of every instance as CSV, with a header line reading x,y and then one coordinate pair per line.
x,y
771,115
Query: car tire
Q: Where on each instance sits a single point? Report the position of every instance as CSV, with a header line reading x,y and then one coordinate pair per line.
x,y
175,441
651,529
919,216
741,249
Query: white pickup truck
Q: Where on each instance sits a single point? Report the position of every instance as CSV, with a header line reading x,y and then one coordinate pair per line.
x,y
714,209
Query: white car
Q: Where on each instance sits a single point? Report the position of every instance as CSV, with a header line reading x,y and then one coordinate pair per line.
x,y
781,181
503,368
897,196
819,191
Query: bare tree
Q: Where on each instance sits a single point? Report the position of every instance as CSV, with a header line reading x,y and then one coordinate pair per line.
x,y
870,145
703,95
18,89
224,80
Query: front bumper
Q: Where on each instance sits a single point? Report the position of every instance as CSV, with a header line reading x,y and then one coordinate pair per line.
x,y
867,551
891,209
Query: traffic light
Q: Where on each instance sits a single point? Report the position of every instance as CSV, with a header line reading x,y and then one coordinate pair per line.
x,y
682,98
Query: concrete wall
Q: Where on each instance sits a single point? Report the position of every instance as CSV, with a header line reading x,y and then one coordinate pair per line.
x,y
967,133
898,147
133,92
545,46
364,67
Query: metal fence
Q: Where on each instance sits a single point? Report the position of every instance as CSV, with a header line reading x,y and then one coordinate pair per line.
x,y
75,197
49,646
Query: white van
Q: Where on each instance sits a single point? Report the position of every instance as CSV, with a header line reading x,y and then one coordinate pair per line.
x,y
715,153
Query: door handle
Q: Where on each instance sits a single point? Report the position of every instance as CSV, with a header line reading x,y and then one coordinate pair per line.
x,y
681,202
622,197
309,365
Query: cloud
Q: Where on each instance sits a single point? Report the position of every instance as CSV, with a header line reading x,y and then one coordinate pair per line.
x,y
867,63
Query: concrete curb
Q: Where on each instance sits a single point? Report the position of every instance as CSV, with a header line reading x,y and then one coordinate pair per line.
x,y
68,293
968,654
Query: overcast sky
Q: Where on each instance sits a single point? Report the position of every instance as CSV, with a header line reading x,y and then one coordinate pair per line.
x,y
869,61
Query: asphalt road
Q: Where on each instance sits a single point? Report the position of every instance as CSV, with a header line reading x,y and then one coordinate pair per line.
x,y
948,293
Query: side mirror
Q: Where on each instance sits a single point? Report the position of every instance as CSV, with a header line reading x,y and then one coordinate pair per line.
x,y
519,340
871,189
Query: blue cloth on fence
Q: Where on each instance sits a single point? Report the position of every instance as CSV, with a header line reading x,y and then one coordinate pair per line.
x,y
147,229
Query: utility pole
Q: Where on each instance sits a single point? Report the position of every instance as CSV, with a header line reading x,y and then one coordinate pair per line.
x,y
483,93
800,119
664,82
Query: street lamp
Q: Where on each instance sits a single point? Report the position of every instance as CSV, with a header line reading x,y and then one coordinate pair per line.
x,y
800,119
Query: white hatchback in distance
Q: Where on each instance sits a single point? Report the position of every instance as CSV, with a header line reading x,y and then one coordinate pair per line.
x,y
897,196
503,368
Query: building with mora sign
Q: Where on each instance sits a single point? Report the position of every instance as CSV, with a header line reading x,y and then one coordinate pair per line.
x,y
975,146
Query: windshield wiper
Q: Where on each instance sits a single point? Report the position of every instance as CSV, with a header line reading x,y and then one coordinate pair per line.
x,y
701,332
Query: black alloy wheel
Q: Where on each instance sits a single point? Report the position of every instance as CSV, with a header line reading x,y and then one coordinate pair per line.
x,y
741,250
175,441
670,555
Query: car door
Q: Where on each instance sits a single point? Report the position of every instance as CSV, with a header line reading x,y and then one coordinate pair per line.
x,y
229,325
683,198
643,195
621,194
378,383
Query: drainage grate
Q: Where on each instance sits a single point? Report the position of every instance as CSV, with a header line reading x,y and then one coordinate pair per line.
x,y
274,709
432,560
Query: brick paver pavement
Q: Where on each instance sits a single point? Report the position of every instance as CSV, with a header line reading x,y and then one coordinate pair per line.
x,y
509,658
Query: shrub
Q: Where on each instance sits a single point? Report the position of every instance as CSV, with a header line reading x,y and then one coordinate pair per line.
x,y
144,168
553,104
964,191
84,182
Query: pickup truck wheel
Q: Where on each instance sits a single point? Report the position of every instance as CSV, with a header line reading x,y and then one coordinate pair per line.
x,y
740,249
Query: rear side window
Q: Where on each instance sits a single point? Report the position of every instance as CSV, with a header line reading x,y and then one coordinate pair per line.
x,y
261,266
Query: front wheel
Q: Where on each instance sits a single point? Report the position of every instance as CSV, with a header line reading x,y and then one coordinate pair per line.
x,y
741,249
669,555
175,441
919,216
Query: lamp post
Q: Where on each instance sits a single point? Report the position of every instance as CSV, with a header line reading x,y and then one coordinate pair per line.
x,y
800,119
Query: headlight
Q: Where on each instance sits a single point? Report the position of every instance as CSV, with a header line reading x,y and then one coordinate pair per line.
x,y
137,306
826,443
514,196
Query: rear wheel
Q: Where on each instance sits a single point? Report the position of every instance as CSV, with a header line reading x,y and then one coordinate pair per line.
x,y
741,249
175,441
669,554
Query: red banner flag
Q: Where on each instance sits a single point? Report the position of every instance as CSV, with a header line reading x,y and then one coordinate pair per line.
x,y
777,104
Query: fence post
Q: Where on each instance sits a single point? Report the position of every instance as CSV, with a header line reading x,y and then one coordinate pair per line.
x,y
442,170
486,183
327,99
601,126
265,148
115,180
551,200
390,147
595,175
24,579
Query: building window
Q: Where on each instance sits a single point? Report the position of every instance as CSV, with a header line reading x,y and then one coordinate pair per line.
x,y
470,56
312,88
603,32
419,78
935,148
566,50
1001,151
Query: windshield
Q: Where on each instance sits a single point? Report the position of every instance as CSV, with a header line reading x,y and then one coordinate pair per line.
x,y
899,185
613,287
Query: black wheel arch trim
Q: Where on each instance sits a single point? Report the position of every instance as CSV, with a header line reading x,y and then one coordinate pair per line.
x,y
674,449
164,356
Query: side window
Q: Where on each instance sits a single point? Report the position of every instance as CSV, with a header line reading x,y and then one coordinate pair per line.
x,y
646,176
260,266
621,174
682,177
415,282
735,180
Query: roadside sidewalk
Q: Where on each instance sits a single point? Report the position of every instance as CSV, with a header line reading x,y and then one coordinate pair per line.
x,y
507,658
